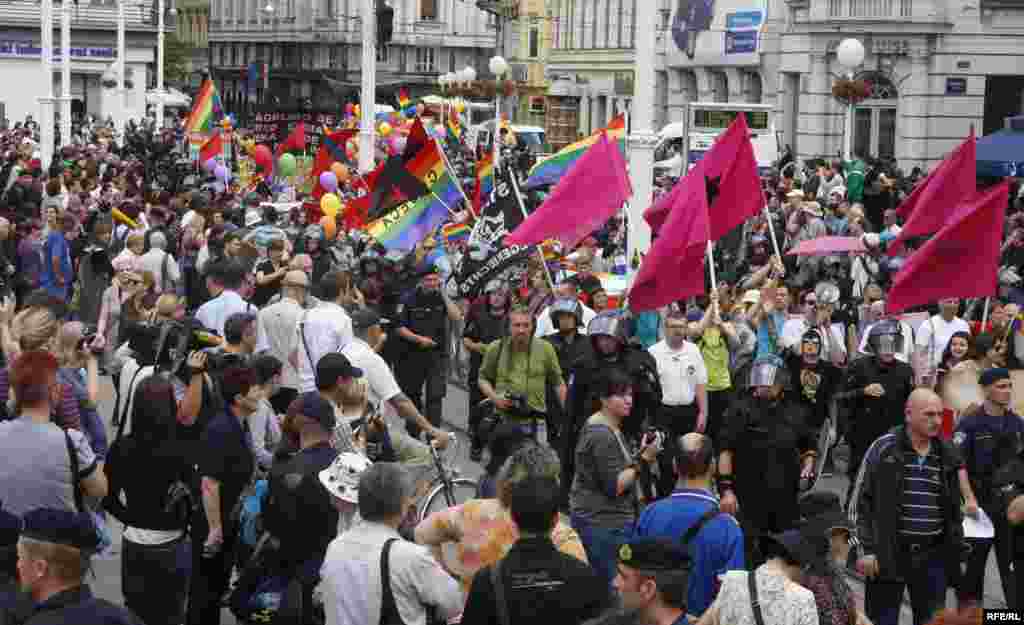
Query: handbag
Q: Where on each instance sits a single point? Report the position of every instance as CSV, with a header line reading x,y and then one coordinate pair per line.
x,y
755,603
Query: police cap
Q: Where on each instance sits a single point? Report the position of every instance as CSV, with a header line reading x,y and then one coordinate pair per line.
x,y
653,554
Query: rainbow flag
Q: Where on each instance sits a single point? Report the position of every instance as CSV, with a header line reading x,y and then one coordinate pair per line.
x,y
403,98
453,232
412,221
550,170
484,180
454,127
206,111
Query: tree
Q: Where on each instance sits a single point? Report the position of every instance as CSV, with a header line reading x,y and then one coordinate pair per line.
x,y
177,57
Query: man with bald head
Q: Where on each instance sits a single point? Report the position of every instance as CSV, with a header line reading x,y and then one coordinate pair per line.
x,y
691,515
275,334
905,506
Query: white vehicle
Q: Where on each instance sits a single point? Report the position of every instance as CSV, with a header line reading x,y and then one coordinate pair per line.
x,y
534,137
686,142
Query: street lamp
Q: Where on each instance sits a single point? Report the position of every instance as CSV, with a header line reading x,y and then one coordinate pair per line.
x,y
850,55
498,67
160,62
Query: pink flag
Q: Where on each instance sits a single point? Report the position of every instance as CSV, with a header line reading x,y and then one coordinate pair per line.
x,y
674,267
730,170
824,246
593,189
961,260
934,199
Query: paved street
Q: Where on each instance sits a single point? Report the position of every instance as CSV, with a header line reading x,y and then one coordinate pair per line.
x,y
107,580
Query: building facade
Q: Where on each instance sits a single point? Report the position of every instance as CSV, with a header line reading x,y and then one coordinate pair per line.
x,y
93,53
934,67
312,50
193,31
528,46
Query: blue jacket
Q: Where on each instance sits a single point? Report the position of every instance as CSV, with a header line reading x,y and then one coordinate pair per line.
x,y
717,547
77,606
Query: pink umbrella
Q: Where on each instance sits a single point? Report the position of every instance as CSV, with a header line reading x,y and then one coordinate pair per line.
x,y
823,246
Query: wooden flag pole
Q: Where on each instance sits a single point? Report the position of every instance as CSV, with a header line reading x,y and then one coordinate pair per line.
x,y
522,207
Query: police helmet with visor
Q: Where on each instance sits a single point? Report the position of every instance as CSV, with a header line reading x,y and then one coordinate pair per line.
x,y
886,338
768,371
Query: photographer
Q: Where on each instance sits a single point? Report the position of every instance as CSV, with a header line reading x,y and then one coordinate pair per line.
x,y
603,499
79,370
516,373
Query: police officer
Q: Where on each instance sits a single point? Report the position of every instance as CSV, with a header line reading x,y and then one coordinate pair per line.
x,y
653,577
1008,485
422,319
609,347
53,556
572,346
980,436
487,322
767,456
877,389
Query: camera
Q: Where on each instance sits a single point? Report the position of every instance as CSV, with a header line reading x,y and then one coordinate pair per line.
x,y
654,437
89,333
520,407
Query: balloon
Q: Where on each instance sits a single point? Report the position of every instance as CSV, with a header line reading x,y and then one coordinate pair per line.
x,y
350,108
210,165
340,172
263,158
329,181
398,143
356,110
460,107
385,129
286,165
330,226
330,204
221,172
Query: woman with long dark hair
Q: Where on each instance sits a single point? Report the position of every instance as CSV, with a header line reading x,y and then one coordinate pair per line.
x,y
149,476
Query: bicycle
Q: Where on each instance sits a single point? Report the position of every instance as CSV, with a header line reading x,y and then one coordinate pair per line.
x,y
446,489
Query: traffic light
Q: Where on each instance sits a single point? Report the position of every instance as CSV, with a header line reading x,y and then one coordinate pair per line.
x,y
385,23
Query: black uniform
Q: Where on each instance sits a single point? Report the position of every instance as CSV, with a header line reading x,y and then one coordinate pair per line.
x,y
870,417
1008,484
980,437
815,385
423,314
767,440
582,401
75,605
482,326
571,351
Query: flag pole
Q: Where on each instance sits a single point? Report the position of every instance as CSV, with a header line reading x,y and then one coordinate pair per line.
x,y
522,207
436,197
458,183
984,315
771,230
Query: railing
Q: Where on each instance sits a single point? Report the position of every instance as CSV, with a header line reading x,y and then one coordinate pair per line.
x,y
102,16
870,8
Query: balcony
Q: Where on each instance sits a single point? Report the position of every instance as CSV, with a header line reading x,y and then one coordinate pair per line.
x,y
870,9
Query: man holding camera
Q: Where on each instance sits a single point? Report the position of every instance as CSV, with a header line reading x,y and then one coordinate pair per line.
x,y
515,374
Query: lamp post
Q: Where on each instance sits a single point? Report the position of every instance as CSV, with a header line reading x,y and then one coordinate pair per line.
x,y
46,102
368,101
65,73
160,62
499,67
642,139
120,71
850,55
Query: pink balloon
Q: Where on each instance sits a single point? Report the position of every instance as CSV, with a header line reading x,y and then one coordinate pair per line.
x,y
210,165
329,181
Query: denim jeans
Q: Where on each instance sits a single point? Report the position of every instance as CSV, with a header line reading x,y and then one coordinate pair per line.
x,y
602,546
154,580
924,577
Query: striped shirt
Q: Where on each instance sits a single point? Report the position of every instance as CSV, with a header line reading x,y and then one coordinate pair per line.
x,y
920,507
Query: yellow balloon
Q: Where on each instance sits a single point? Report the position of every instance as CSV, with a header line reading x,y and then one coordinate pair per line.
x,y
330,204
385,129
460,106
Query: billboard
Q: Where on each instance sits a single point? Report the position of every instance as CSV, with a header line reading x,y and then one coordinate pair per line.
x,y
716,31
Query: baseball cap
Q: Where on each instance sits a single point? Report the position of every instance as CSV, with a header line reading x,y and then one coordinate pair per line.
x,y
333,366
315,407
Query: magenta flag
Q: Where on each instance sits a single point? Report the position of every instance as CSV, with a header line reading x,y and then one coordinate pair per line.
x,y
674,267
934,199
961,260
595,187
729,171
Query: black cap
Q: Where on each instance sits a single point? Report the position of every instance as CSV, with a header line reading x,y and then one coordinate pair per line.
x,y
333,366
366,318
993,375
315,407
653,554
61,527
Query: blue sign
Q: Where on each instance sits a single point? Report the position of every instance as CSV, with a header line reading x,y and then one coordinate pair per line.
x,y
742,42
956,86
744,20
31,49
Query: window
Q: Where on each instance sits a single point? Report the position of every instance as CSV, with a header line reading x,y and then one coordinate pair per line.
x,y
426,60
428,10
384,54
534,42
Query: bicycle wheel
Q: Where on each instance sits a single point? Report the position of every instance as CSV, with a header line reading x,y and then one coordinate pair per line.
x,y
463,489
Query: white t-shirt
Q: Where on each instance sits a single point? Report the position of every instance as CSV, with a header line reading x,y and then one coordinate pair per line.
x,y
382,383
944,331
324,329
680,372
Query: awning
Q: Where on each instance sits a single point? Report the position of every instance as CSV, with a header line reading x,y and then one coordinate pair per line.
x,y
1002,153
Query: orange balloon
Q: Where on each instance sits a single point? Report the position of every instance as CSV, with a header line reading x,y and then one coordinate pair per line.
x,y
330,226
340,171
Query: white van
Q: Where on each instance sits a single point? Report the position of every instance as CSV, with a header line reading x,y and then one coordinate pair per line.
x,y
677,146
534,137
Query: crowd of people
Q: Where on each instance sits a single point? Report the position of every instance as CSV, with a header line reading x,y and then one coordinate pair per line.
x,y
277,389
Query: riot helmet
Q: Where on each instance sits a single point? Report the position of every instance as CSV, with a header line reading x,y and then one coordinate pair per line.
x,y
768,371
886,338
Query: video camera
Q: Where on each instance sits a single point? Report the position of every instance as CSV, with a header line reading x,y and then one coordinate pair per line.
x,y
166,345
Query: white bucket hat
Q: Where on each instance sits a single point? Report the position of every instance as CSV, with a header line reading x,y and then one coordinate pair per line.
x,y
341,479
